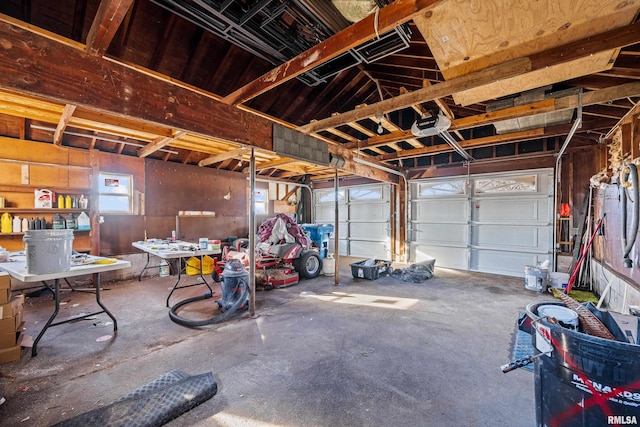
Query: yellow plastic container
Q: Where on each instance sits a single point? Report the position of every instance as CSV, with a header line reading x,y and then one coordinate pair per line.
x,y
193,265
7,223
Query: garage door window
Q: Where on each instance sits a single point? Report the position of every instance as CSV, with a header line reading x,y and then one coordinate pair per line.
x,y
366,193
443,188
517,184
115,193
329,196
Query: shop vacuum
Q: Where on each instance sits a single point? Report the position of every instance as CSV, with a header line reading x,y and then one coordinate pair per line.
x,y
235,296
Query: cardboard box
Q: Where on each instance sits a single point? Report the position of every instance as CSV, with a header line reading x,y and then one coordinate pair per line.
x,y
5,280
12,354
5,287
12,308
5,296
11,324
8,340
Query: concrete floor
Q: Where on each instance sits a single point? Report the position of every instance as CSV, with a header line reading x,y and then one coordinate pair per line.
x,y
363,353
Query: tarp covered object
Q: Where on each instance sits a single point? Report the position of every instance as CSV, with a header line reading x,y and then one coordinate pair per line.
x,y
417,272
283,225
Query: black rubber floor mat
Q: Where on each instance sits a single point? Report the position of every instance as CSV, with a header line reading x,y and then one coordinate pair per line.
x,y
153,404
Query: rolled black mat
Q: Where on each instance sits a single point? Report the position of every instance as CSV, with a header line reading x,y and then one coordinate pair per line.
x,y
153,404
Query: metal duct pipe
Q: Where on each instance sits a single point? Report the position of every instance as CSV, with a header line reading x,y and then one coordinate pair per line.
x,y
557,176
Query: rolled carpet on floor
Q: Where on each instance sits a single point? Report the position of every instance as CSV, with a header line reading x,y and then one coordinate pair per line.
x,y
153,404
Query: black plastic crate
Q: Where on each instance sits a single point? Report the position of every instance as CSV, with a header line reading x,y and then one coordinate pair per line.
x,y
371,272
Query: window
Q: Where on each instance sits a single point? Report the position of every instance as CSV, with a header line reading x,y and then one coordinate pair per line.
x,y
444,188
115,193
329,196
261,201
368,193
518,184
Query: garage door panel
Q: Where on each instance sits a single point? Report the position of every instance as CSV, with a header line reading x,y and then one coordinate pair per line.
x,y
445,256
364,215
441,233
369,212
447,210
504,225
327,213
371,231
513,236
368,249
342,243
501,262
512,210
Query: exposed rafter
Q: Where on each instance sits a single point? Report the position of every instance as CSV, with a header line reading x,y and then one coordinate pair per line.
x,y
612,39
63,123
110,15
388,18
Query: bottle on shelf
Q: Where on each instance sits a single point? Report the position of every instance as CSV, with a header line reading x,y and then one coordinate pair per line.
x,y
60,201
32,224
58,222
17,224
70,221
67,202
43,223
25,224
6,223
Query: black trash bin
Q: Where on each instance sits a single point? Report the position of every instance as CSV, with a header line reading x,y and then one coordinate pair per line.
x,y
584,380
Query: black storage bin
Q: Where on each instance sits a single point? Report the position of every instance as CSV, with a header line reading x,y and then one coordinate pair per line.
x,y
585,381
371,272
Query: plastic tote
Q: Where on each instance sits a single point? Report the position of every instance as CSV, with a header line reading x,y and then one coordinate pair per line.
x,y
48,251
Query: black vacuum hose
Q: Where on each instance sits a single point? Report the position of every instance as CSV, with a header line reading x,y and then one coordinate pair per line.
x,y
628,245
195,323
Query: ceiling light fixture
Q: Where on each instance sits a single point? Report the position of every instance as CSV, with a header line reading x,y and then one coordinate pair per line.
x,y
380,128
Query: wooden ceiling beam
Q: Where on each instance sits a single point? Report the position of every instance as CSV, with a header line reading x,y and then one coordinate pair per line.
x,y
477,79
468,144
238,152
63,123
108,18
107,86
275,163
590,98
364,30
613,39
159,143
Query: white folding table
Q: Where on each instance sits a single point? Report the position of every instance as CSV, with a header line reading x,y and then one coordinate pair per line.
x,y
17,268
168,251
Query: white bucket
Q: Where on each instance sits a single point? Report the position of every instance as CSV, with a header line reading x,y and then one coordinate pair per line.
x,y
566,317
329,265
559,280
48,251
535,278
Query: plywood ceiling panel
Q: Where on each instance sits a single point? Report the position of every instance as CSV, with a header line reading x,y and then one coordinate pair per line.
x,y
466,35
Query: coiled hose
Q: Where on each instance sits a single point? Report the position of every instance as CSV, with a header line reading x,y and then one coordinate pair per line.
x,y
244,292
627,244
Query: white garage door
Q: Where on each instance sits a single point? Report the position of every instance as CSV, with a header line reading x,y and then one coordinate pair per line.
x,y
494,223
364,215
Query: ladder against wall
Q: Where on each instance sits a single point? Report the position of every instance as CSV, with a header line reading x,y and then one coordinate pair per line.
x,y
565,236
